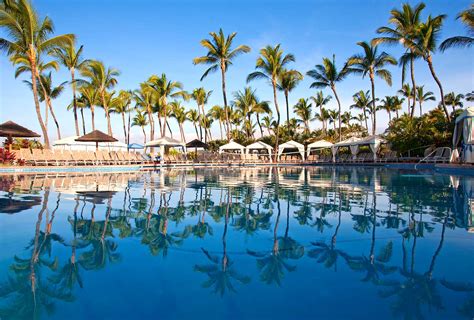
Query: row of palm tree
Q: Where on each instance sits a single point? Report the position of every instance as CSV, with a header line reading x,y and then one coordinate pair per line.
x,y
31,43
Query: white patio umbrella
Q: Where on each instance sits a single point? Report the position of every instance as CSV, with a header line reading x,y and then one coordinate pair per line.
x,y
70,143
291,145
464,130
166,142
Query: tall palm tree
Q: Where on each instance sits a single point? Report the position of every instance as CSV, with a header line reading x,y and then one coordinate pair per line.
x,y
194,117
165,89
179,113
71,59
467,17
201,96
327,75
303,110
260,107
141,121
102,79
270,65
145,98
397,104
218,113
219,56
244,101
268,123
121,105
423,96
320,101
362,102
425,44
287,81
407,92
49,92
29,35
89,96
334,117
405,24
373,64
454,100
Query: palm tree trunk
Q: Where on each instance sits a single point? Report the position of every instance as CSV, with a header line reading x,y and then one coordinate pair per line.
x,y
32,58
225,99
365,119
443,104
389,116
412,71
220,128
167,125
333,87
93,117
197,132
83,121
128,130
287,107
74,102
374,110
124,127
107,115
199,135
421,109
50,106
259,125
278,119
144,134
165,120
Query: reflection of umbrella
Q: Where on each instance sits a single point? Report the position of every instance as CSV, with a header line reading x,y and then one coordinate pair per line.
x,y
96,136
9,205
10,129
96,197
135,146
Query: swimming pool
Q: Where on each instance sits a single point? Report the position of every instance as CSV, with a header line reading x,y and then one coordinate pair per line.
x,y
266,243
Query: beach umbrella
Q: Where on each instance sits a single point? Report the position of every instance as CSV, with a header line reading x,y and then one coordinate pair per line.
x,y
96,136
11,130
135,146
196,143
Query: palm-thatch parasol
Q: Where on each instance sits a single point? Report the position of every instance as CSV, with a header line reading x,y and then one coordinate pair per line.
x,y
96,136
196,143
11,130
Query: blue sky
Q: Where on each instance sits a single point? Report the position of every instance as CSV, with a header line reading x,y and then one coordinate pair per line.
x,y
142,38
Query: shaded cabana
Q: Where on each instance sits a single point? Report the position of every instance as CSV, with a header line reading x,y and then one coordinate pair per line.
x,y
232,146
12,130
96,136
464,135
317,145
135,146
70,143
354,144
374,142
259,145
351,143
164,143
291,145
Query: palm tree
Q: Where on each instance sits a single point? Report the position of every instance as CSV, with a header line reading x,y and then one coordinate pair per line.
x,y
89,96
362,102
454,100
397,105
405,24
141,121
29,36
201,96
387,105
303,110
267,123
219,56
470,96
218,113
323,116
327,75
467,17
48,93
287,81
423,96
334,116
425,44
165,89
372,63
121,105
102,79
206,124
260,107
178,112
194,117
144,98
270,66
320,101
71,59
407,92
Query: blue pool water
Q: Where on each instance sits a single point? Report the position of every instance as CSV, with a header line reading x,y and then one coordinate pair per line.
x,y
234,243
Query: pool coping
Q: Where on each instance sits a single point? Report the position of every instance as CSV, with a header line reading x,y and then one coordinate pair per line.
x,y
455,169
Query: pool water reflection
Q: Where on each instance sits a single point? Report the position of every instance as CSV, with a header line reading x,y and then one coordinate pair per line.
x,y
237,243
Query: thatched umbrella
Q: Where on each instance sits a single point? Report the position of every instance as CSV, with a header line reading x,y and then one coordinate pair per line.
x,y
11,130
96,136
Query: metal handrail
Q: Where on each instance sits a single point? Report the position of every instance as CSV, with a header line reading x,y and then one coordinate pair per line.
x,y
432,152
